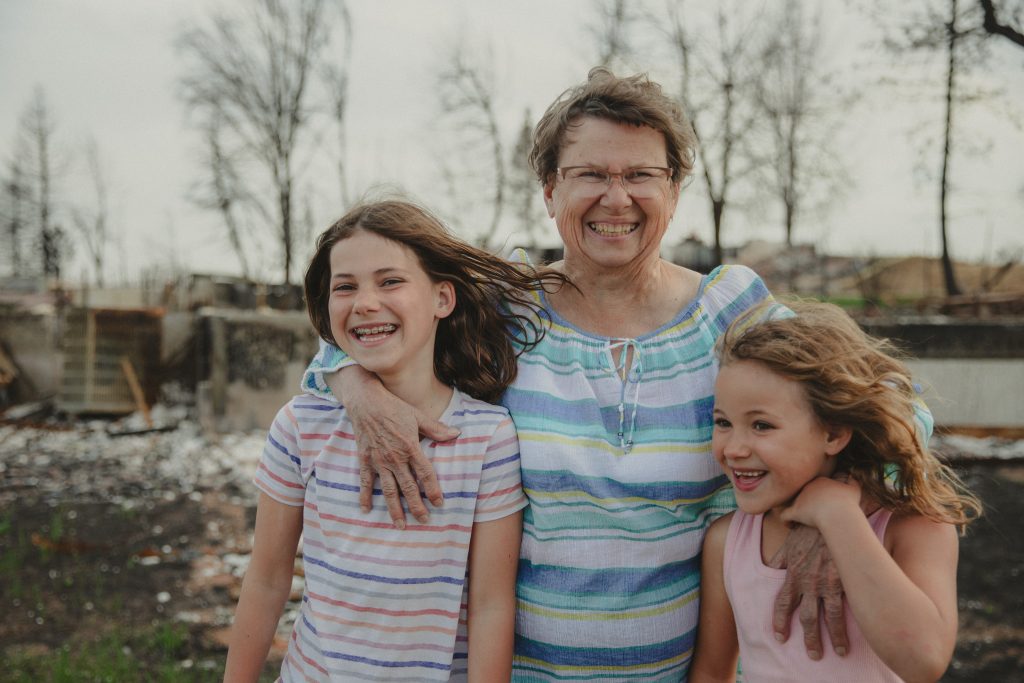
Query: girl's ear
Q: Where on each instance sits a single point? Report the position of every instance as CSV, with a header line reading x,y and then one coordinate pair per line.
x,y
836,439
445,304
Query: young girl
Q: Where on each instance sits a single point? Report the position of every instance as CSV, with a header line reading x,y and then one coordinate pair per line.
x,y
798,401
406,300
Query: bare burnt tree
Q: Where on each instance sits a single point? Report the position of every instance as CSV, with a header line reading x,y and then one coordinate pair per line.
x,y
717,84
92,222
35,156
221,189
1005,20
255,74
799,99
614,19
336,81
466,89
955,31
523,187
14,212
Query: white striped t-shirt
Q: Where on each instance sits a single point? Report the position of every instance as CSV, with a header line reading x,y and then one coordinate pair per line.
x,y
379,603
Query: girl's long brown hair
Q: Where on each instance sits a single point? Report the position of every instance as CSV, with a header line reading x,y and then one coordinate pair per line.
x,y
495,318
855,380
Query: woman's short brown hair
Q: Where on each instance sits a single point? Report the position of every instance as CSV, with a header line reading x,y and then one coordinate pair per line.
x,y
636,100
495,318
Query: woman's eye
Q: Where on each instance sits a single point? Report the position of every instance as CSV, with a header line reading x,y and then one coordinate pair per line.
x,y
343,288
762,426
722,423
392,281
638,175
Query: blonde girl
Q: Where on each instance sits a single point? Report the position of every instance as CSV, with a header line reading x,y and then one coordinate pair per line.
x,y
813,424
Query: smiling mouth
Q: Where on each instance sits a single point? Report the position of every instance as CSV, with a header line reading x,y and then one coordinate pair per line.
x,y
745,480
613,229
373,332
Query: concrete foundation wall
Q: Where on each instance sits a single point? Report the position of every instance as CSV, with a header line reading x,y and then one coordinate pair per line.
x,y
251,365
33,342
973,392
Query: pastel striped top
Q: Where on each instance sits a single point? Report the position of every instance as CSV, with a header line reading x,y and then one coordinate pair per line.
x,y
621,487
382,604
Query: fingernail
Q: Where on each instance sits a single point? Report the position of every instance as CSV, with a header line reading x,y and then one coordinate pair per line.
x,y
814,654
841,651
779,637
424,519
400,524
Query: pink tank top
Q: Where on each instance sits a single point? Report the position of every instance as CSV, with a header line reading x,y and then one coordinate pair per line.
x,y
752,586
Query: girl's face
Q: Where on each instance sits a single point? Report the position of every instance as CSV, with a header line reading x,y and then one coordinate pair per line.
x,y
384,307
767,438
603,227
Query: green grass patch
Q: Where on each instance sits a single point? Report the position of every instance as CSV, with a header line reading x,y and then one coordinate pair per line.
x,y
156,654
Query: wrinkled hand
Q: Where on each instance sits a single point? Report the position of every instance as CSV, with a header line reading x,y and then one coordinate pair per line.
x,y
811,578
387,437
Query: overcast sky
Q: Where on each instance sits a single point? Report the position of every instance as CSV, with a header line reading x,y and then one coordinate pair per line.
x,y
110,70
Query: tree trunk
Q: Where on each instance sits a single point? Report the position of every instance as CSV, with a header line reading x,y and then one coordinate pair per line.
x,y
952,288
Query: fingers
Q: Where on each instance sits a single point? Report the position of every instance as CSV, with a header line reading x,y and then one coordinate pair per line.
x,y
366,477
427,478
389,488
809,623
438,431
785,604
411,493
835,624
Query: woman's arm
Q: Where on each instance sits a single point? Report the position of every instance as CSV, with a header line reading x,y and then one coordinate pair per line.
x,y
904,603
265,588
493,560
386,430
717,643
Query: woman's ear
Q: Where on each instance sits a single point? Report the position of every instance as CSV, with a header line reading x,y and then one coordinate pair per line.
x,y
445,293
549,201
836,438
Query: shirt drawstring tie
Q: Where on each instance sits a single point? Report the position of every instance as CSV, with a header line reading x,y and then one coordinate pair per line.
x,y
630,378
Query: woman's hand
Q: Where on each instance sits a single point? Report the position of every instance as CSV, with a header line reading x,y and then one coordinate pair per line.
x,y
811,578
387,435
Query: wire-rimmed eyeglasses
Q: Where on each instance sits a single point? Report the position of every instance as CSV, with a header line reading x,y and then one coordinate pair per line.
x,y
642,181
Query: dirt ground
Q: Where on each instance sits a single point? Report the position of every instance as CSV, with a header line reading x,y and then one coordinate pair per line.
x,y
88,544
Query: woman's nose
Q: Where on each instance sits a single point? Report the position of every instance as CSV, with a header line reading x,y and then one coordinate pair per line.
x,y
615,193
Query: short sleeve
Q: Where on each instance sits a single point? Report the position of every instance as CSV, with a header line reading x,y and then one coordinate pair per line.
x,y
279,473
327,360
501,488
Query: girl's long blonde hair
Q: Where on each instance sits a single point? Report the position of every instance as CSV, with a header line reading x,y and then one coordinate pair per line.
x,y
854,380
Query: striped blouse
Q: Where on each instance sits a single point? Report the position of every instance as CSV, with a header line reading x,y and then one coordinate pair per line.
x,y
381,604
621,487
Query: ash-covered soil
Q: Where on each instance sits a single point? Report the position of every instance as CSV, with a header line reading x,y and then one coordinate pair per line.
x,y
101,531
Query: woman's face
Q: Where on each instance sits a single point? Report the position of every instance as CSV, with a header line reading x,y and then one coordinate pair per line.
x,y
606,227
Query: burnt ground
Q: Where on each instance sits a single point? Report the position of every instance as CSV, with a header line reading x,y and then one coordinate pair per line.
x,y
102,534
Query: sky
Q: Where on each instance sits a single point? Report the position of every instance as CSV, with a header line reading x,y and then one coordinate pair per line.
x,y
110,71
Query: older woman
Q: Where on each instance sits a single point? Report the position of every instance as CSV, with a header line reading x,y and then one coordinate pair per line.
x,y
613,407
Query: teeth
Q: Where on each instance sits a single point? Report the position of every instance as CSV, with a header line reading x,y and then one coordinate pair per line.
x,y
752,474
613,228
376,329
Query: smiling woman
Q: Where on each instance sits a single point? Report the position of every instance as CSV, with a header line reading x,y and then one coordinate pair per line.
x,y
612,406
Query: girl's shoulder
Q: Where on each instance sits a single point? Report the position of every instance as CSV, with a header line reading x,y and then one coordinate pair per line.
x,y
910,532
465,407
